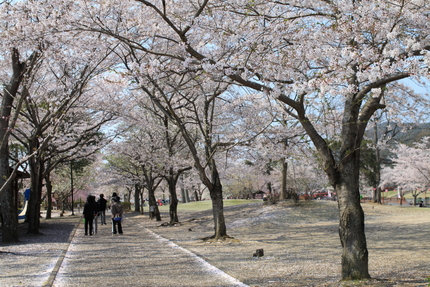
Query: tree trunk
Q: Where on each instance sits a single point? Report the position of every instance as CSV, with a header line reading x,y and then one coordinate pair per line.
x,y
218,212
344,177
377,169
415,199
137,197
72,190
187,196
378,195
172,181
374,199
154,212
8,209
173,208
36,168
183,197
283,194
9,212
351,226
184,193
48,196
10,91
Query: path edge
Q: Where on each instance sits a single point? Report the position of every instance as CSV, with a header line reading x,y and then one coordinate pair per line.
x,y
211,267
50,281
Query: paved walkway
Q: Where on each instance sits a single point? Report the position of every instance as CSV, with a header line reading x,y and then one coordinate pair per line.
x,y
139,257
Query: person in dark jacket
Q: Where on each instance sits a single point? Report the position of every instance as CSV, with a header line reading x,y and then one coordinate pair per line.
x,y
112,199
102,203
90,210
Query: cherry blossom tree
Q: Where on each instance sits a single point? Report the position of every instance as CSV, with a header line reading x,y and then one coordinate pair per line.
x,y
310,55
18,61
167,159
313,56
46,111
304,173
242,179
122,170
198,108
175,146
384,129
155,151
411,168
60,76
173,157
83,139
208,117
70,176
10,93
201,120
283,145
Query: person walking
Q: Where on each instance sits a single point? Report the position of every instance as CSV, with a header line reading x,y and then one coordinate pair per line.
x,y
102,203
90,210
114,195
96,214
117,211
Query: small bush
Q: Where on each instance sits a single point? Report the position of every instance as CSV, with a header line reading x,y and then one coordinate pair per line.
x,y
126,205
271,199
295,197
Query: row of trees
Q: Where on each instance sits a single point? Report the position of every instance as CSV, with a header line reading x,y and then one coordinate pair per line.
x,y
312,57
410,171
218,74
50,108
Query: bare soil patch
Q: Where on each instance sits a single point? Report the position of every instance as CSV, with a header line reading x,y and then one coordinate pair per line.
x,y
301,243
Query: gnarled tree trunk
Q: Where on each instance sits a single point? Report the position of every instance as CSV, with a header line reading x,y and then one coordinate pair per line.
x,y
215,190
173,207
218,212
153,207
343,173
351,224
137,197
8,208
36,167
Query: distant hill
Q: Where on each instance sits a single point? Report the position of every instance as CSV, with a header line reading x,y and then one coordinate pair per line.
x,y
400,133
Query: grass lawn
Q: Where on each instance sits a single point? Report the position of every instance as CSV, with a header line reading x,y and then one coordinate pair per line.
x,y
301,242
393,194
196,206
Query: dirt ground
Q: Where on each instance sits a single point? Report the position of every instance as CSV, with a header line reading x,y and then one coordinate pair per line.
x,y
301,243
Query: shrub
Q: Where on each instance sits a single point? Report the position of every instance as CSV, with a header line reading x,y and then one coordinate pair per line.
x,y
271,199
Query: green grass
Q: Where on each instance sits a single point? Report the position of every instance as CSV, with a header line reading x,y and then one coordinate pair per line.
x,y
408,195
196,206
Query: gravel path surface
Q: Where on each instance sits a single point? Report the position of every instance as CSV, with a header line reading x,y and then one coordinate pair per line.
x,y
300,243
31,261
138,257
